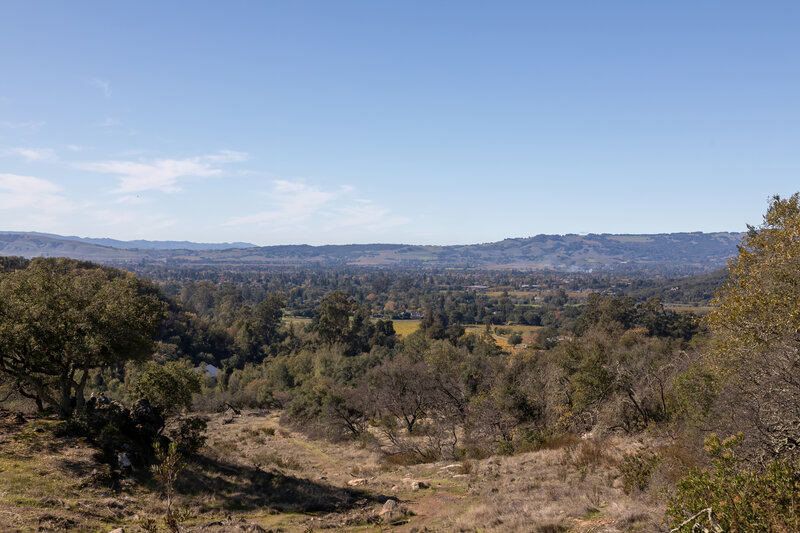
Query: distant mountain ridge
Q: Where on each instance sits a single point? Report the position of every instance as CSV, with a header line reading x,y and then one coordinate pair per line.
x,y
140,244
675,252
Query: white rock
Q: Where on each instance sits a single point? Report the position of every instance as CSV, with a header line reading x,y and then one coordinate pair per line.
x,y
391,511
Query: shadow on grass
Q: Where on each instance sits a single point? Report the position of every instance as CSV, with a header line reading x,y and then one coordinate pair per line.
x,y
80,469
240,487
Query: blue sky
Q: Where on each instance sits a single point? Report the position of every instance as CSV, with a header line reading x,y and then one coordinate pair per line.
x,y
419,122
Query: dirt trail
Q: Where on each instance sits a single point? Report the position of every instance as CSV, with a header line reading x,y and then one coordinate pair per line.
x,y
255,471
436,511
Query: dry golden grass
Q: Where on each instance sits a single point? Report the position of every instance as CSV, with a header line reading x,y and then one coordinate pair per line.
x,y
255,470
300,320
513,294
50,483
405,327
697,309
527,332
569,489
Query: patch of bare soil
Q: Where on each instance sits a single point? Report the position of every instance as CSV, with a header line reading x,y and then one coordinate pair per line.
x,y
256,475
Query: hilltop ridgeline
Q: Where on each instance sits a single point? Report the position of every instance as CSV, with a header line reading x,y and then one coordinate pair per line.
x,y
676,252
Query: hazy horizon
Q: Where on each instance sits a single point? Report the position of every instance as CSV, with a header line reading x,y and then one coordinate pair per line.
x,y
239,242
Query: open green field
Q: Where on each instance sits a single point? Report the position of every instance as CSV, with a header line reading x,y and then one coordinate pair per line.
x,y
297,320
402,327
502,339
518,294
687,308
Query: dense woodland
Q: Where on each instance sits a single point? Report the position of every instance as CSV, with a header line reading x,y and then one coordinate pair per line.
x,y
599,354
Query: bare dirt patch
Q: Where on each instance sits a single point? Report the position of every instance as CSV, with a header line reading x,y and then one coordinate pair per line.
x,y
255,473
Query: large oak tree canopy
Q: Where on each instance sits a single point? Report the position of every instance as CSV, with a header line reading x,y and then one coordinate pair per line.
x,y
61,318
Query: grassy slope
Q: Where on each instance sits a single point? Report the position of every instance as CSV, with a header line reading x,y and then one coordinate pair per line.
x,y
253,469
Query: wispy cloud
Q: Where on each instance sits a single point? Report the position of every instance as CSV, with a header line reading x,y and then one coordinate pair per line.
x,y
33,154
29,125
103,85
132,199
107,123
29,192
364,213
163,174
293,204
146,224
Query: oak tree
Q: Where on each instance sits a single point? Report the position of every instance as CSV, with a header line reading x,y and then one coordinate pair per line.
x,y
61,318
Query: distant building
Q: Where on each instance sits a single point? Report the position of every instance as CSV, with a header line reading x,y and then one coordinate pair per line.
x,y
208,368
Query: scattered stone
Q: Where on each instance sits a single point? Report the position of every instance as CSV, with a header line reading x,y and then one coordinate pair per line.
x,y
357,482
123,461
231,525
118,530
418,485
392,511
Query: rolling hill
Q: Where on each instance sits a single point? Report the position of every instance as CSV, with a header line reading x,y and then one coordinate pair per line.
x,y
676,252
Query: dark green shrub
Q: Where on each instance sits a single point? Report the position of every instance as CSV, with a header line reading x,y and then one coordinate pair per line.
x,y
636,470
189,436
169,465
168,387
76,425
740,499
528,440
504,447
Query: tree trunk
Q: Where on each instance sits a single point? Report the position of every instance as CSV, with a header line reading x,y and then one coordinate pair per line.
x,y
34,397
65,402
80,386
38,392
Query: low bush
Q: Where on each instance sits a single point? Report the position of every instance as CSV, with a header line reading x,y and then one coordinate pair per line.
x,y
504,447
189,435
591,453
734,497
636,469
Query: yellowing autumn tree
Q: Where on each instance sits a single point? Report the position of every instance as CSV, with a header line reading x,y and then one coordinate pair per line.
x,y
757,328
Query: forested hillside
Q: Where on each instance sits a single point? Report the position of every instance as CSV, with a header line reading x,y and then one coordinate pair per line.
x,y
675,253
